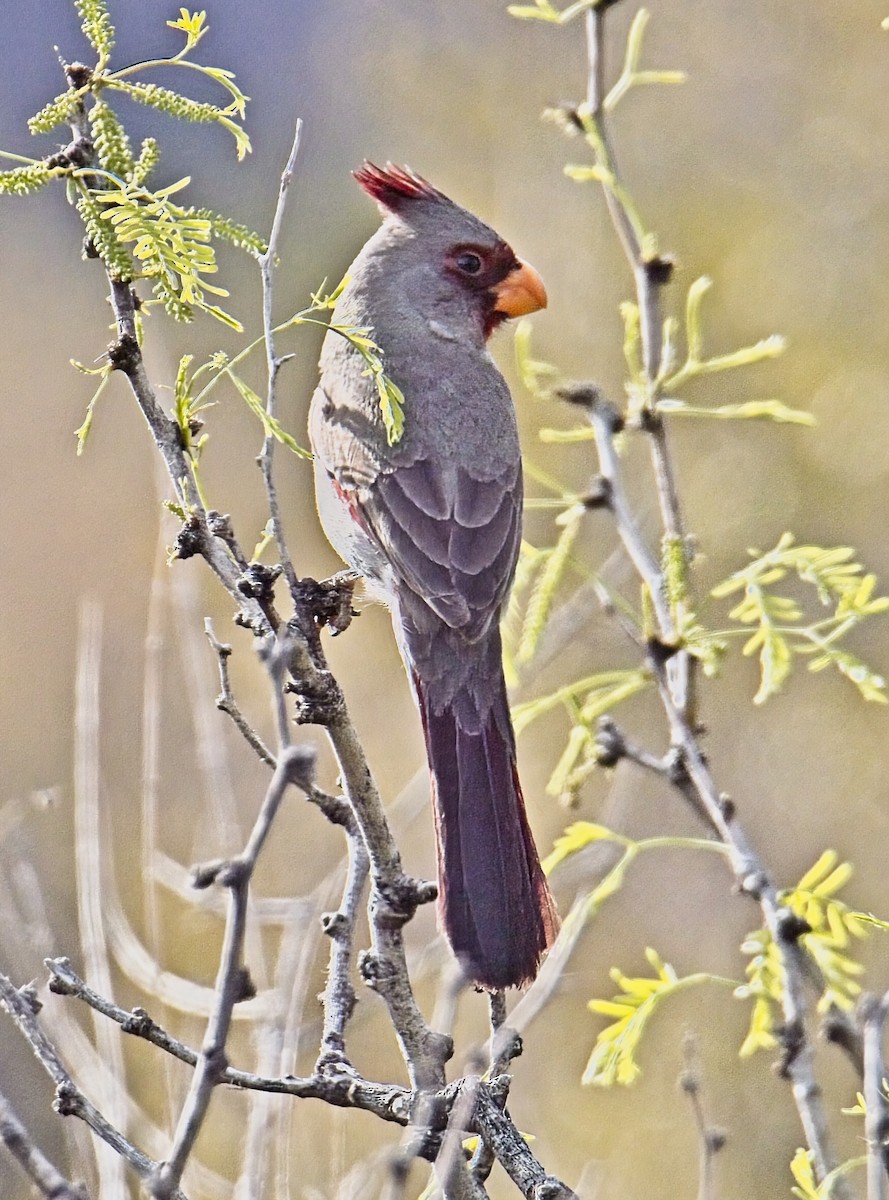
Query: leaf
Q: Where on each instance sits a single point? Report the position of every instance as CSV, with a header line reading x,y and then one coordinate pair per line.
x,y
591,690
614,1056
84,431
552,571
269,423
751,410
802,1168
576,837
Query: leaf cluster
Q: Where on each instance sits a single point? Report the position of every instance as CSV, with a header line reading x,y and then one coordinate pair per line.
x,y
780,631
138,231
830,927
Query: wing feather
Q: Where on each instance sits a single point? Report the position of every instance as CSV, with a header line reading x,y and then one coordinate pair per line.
x,y
460,564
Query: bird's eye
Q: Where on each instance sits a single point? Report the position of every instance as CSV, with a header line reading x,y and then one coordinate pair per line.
x,y
468,263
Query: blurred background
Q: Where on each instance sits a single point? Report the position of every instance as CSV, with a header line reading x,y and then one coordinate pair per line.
x,y
766,171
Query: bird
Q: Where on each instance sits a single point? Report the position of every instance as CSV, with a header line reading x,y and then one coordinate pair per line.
x,y
432,521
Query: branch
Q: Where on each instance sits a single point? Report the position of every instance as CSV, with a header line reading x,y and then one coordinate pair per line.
x,y
508,1145
295,766
672,665
711,1140
876,1118
651,274
226,702
267,264
43,1175
390,1102
22,1005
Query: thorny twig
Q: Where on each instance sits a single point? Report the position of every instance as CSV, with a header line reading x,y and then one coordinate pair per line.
x,y
226,702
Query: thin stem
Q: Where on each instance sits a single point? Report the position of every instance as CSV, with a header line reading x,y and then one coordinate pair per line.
x,y
650,276
226,702
273,362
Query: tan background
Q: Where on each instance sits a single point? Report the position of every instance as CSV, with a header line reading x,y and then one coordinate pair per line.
x,y
765,171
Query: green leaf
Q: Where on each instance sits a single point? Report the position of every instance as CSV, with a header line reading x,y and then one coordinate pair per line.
x,y
57,112
110,140
751,410
534,373
192,25
83,432
587,692
182,107
269,423
554,564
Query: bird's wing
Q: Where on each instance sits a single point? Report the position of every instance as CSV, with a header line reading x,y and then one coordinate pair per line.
x,y
452,539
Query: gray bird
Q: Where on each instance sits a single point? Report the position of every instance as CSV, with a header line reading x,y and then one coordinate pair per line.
x,y
433,523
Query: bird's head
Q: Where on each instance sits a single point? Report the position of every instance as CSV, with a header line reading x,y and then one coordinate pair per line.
x,y
447,256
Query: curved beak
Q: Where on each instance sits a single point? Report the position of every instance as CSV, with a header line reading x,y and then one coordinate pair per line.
x,y
520,293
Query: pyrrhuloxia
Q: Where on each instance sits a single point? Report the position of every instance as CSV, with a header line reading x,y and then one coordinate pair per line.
x,y
433,523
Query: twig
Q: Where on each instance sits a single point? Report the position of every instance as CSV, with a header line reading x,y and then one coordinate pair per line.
x,y
339,994
873,1013
711,1140
606,423
797,1065
70,1100
506,1044
651,273
513,1151
274,363
226,702
45,1177
390,1102
453,1178
674,670
295,765
91,886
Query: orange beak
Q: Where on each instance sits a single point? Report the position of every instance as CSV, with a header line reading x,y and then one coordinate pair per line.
x,y
521,292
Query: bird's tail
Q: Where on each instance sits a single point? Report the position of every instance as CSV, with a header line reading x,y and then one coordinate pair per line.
x,y
494,902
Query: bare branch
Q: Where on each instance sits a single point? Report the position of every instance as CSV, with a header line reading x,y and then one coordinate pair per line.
x,y
295,765
876,1118
226,702
21,1004
273,362
513,1151
45,1177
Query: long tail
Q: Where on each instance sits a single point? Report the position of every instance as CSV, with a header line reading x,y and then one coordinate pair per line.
x,y
494,902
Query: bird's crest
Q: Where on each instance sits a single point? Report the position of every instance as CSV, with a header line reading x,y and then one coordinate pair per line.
x,y
393,186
